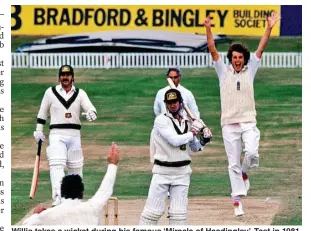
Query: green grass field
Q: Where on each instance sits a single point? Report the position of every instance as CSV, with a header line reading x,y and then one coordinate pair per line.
x,y
124,100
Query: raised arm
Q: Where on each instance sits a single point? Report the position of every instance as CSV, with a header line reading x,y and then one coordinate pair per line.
x,y
105,190
210,39
271,21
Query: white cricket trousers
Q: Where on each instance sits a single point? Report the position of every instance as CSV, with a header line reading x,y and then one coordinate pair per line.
x,y
63,151
65,142
234,136
177,186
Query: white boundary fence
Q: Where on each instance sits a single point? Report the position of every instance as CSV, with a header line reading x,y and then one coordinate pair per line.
x,y
142,60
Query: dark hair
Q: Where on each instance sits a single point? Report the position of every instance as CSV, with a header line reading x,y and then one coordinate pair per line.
x,y
241,48
72,187
173,69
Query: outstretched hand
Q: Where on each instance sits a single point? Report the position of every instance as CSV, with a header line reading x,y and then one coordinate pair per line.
x,y
273,19
113,155
207,22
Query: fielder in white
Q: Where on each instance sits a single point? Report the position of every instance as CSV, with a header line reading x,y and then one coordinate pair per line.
x,y
62,104
188,99
238,113
172,139
72,210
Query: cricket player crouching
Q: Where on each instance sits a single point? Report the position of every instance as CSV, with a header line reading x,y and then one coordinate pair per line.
x,y
72,210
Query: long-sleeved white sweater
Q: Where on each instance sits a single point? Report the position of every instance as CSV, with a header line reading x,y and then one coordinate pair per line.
x,y
237,92
64,110
166,145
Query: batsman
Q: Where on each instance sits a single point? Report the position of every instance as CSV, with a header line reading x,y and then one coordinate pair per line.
x,y
62,104
172,140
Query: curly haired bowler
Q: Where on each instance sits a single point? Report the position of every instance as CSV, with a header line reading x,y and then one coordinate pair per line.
x,y
241,48
238,112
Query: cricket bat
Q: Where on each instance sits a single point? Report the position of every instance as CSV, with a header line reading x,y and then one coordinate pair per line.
x,y
189,113
36,171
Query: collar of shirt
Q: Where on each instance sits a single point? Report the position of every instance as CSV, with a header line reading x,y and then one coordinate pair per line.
x,y
70,201
60,88
180,114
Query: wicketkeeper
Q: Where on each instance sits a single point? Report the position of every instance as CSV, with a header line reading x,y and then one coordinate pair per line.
x,y
172,139
63,103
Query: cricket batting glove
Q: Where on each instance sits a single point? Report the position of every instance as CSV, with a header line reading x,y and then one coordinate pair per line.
x,y
205,136
39,136
206,133
91,115
197,125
